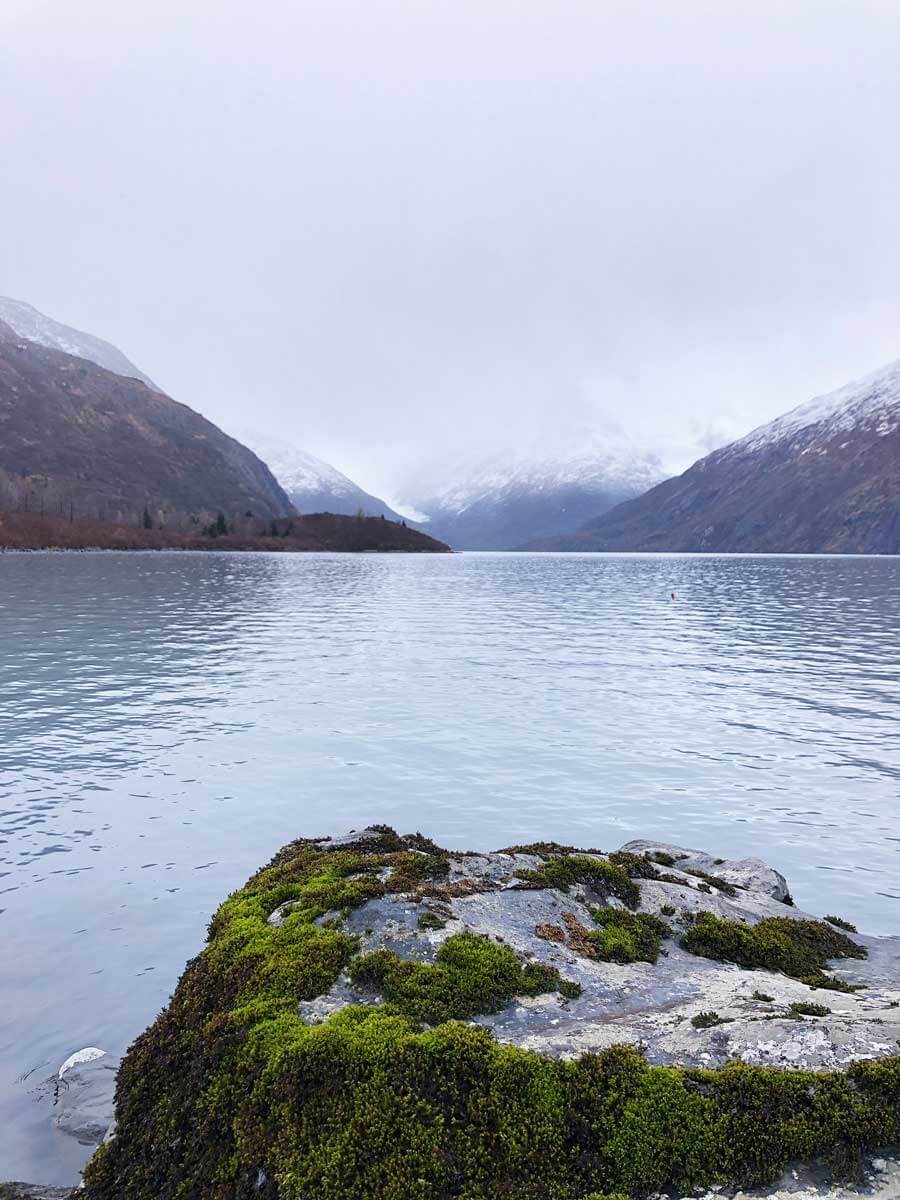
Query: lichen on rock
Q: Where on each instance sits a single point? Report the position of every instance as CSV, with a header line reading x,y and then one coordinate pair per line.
x,y
375,1017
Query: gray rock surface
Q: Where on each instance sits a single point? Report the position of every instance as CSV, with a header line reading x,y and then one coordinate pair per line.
x,y
647,1005
84,1096
34,1191
750,873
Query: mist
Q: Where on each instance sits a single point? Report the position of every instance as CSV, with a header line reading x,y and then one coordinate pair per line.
x,y
403,234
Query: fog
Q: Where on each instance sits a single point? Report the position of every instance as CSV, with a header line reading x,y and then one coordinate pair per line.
x,y
397,232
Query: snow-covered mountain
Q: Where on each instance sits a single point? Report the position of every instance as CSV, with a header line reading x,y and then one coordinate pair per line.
x,y
870,403
503,501
36,327
823,478
312,484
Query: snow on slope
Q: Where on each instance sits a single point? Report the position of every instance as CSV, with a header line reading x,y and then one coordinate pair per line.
x,y
34,326
295,469
313,484
504,476
871,402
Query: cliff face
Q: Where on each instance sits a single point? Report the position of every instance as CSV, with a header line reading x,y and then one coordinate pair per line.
x,y
78,439
824,478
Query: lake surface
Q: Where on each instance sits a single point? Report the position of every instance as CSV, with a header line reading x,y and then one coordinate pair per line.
x,y
168,721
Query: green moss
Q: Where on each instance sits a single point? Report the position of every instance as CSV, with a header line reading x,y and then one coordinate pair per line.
x,y
842,924
603,877
801,1008
569,988
626,937
668,910
412,869
831,983
726,888
430,920
472,975
661,857
549,849
801,949
762,996
635,866
229,1080
706,1020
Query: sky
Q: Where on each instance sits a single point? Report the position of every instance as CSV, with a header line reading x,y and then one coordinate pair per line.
x,y
403,234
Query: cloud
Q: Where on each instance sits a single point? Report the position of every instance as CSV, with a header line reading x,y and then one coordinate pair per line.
x,y
396,233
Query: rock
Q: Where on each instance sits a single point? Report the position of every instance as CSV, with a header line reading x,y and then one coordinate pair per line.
x,y
752,874
33,1191
84,1096
88,1054
403,1003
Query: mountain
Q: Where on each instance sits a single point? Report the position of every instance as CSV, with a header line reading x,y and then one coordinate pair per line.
x,y
34,326
312,484
78,439
507,500
824,478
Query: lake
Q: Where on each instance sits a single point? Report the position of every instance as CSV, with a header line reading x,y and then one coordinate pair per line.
x,y
168,721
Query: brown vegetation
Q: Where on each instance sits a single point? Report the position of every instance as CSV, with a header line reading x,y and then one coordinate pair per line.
x,y
311,532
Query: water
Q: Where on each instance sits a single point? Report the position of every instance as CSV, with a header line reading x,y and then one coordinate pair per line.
x,y
169,720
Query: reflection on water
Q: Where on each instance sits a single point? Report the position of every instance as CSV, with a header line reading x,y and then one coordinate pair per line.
x,y
168,721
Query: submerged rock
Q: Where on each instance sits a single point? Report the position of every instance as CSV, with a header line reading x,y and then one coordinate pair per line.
x,y
376,1017
84,1095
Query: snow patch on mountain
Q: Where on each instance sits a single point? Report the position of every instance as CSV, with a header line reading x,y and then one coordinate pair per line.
x,y
312,484
506,475
296,470
872,402
34,326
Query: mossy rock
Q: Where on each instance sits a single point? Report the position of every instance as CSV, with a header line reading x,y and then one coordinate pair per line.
x,y
564,870
798,948
231,1095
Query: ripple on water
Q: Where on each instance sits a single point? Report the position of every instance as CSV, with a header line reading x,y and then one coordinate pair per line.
x,y
168,721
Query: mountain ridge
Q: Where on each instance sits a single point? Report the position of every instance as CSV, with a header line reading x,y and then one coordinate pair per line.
x,y
311,483
822,478
78,438
498,503
30,323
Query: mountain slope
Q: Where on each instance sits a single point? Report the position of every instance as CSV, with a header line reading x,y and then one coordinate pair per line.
x,y
34,326
76,438
824,478
501,503
312,484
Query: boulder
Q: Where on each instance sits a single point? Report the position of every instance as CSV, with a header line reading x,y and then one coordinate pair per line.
x,y
85,1088
374,1016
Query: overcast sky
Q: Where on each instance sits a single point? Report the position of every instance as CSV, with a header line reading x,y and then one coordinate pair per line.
x,y
391,230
